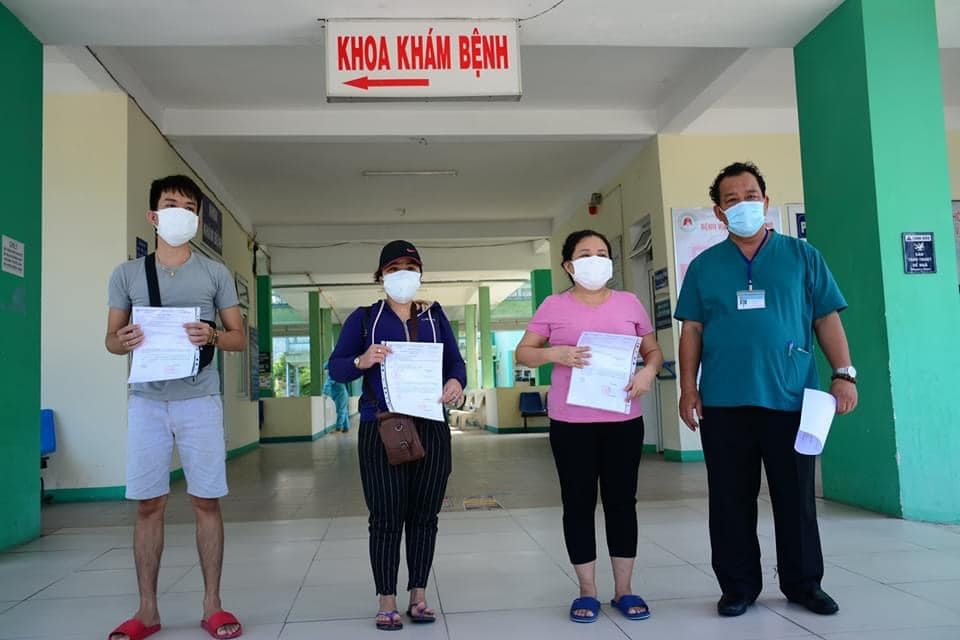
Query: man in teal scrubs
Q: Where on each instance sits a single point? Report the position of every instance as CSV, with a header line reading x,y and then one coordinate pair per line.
x,y
750,308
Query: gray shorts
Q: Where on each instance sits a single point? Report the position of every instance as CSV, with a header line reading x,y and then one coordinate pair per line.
x,y
195,426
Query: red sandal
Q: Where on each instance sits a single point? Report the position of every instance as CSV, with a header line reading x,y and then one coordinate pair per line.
x,y
134,630
220,619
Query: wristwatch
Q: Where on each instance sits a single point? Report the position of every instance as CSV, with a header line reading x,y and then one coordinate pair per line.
x,y
845,373
356,362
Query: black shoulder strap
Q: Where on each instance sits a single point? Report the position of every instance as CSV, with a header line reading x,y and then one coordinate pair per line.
x,y
153,287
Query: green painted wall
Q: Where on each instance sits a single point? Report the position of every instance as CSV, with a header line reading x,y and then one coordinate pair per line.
x,y
470,341
21,127
486,338
316,344
875,166
327,341
265,324
541,285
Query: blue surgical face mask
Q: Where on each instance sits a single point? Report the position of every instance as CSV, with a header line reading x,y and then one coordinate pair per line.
x,y
745,218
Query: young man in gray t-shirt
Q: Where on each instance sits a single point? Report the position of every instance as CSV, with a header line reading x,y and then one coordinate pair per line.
x,y
187,411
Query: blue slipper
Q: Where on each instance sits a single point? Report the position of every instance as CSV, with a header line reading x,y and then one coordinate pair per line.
x,y
624,604
590,604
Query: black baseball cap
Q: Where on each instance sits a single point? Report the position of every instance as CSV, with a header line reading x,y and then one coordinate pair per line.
x,y
398,249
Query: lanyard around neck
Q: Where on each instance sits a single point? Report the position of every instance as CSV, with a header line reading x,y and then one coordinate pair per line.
x,y
749,261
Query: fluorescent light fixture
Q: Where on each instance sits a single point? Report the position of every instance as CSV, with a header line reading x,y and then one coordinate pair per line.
x,y
367,173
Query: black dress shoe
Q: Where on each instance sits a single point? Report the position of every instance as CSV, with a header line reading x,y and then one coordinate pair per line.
x,y
816,601
733,605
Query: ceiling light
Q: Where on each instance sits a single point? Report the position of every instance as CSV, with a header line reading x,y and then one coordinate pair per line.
x,y
367,173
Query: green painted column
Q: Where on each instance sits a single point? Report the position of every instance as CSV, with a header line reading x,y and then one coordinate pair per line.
x,y
21,124
541,286
470,340
265,333
316,344
337,328
326,341
486,338
875,167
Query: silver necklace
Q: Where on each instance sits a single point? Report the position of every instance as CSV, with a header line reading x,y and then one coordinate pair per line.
x,y
170,271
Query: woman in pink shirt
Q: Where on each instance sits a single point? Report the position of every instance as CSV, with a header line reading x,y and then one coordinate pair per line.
x,y
593,445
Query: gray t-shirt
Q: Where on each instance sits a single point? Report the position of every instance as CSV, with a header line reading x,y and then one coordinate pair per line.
x,y
198,282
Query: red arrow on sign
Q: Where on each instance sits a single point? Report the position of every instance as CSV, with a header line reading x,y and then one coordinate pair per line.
x,y
365,82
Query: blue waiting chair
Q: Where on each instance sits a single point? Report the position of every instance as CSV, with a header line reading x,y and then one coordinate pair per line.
x,y
531,406
48,445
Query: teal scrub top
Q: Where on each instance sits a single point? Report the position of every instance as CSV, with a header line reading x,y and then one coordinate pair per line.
x,y
758,357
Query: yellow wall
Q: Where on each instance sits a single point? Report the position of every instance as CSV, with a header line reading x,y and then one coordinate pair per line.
x,y
150,156
297,417
503,407
84,235
100,154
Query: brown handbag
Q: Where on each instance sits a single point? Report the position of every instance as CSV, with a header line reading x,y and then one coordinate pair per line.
x,y
400,438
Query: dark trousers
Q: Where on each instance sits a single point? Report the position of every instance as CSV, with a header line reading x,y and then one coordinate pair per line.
x,y
403,497
735,441
608,452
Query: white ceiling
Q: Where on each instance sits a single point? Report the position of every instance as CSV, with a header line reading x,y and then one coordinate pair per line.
x,y
238,88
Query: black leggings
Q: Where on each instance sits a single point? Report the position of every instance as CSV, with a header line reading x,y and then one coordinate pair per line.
x,y
404,496
608,452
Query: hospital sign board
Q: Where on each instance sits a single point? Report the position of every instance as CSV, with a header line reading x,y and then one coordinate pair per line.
x,y
422,60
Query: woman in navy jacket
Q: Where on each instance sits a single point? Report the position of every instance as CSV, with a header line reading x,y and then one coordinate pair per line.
x,y
406,496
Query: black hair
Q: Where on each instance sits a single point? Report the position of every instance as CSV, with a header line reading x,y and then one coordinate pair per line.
x,y
566,254
736,169
178,184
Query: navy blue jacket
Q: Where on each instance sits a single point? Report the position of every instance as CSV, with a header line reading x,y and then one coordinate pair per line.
x,y
383,325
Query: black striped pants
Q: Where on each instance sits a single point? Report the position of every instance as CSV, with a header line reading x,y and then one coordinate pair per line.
x,y
404,496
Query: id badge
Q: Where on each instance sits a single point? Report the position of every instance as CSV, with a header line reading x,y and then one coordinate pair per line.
x,y
756,299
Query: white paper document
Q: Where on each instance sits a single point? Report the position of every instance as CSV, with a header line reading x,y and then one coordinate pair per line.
x,y
600,384
413,379
816,417
166,352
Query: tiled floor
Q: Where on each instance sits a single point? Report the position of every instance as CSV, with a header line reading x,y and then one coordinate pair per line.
x,y
296,567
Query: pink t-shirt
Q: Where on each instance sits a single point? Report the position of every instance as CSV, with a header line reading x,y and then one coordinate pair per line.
x,y
561,319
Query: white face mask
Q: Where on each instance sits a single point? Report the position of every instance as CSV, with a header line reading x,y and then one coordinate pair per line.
x,y
592,272
401,286
177,226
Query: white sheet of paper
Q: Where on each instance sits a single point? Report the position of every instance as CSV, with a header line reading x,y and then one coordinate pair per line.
x,y
413,379
815,419
166,352
601,383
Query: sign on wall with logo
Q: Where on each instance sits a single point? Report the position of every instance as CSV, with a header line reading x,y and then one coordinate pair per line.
x,y
212,226
797,221
422,60
696,230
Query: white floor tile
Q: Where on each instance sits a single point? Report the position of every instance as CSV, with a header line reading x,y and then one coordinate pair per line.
x,y
113,582
252,607
501,590
92,617
942,592
122,558
915,633
23,583
697,618
347,601
483,542
286,575
903,566
550,623
868,608
359,629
